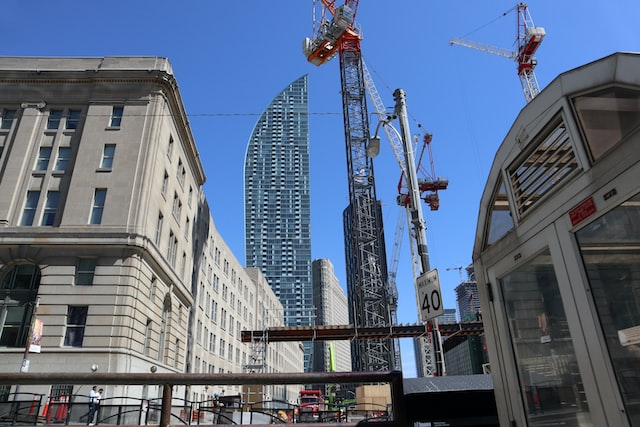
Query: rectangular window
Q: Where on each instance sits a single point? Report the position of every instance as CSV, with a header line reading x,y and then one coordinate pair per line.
x,y
165,183
43,159
64,155
73,119
170,147
610,249
7,118
116,116
30,205
54,119
159,228
76,322
85,269
172,248
108,152
177,206
181,173
97,206
147,337
50,208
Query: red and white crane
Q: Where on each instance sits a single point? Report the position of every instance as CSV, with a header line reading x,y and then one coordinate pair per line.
x,y
370,301
528,40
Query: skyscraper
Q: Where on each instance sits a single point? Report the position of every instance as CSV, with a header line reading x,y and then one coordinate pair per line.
x,y
332,306
277,206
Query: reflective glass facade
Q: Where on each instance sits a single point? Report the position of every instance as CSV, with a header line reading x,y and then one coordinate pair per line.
x,y
277,203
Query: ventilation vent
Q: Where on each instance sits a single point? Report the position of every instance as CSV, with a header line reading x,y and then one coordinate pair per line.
x,y
552,161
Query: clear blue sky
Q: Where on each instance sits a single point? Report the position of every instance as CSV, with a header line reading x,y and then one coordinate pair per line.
x,y
232,57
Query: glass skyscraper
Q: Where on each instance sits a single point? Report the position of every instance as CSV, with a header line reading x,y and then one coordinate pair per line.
x,y
277,205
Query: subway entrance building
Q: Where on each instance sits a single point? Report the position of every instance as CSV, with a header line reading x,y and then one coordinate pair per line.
x,y
557,253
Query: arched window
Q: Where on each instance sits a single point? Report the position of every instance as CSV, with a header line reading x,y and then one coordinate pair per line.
x,y
19,287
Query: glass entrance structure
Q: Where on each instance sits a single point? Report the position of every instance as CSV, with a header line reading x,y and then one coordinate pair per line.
x,y
557,253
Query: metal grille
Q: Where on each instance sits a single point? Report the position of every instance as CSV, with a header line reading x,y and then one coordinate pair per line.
x,y
547,166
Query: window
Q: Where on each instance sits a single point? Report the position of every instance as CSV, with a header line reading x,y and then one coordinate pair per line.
x,y
76,322
172,249
607,117
181,173
107,156
6,120
159,228
19,283
163,329
177,206
54,119
187,228
116,116
97,207
85,269
165,184
30,205
170,147
546,359
147,337
50,208
72,119
43,159
545,168
64,155
610,249
152,288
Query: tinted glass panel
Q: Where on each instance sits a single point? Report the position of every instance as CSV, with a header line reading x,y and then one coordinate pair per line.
x,y
550,382
610,248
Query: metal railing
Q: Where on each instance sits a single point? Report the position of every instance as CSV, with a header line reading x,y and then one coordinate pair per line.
x,y
395,417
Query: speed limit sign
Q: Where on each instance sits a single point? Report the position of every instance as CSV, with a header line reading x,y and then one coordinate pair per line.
x,y
429,296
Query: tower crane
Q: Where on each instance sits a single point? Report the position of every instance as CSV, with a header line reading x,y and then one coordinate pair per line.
x,y
528,40
371,304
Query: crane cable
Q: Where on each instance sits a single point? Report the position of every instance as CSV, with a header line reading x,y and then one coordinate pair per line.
x,y
490,22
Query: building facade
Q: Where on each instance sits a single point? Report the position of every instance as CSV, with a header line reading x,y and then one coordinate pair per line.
x,y
332,309
277,203
557,253
467,298
105,229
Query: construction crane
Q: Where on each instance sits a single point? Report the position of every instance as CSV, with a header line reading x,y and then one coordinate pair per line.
x,y
371,304
528,40
431,357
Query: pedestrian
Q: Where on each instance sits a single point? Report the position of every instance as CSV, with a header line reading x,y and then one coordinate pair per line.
x,y
93,405
98,402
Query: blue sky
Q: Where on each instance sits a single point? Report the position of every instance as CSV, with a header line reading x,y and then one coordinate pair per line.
x,y
231,58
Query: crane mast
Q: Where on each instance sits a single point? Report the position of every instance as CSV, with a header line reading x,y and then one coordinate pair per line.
x,y
367,282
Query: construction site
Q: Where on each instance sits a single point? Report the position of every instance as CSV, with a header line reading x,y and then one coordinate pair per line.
x,y
148,300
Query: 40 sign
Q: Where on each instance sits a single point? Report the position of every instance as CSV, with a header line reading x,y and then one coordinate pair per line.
x,y
429,296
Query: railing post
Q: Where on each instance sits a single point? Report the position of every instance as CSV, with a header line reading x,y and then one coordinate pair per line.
x,y
165,414
397,399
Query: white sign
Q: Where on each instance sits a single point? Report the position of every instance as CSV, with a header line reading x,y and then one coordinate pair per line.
x,y
429,296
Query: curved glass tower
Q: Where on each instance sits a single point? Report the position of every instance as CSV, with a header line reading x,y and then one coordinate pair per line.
x,y
277,206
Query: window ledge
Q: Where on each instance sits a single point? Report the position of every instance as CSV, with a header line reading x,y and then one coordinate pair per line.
x,y
108,128
103,170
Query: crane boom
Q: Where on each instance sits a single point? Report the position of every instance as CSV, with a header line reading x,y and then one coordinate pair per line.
x,y
483,47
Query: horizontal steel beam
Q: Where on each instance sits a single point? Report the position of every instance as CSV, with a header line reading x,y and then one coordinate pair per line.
x,y
349,332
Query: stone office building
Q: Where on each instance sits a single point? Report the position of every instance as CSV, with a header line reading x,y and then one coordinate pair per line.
x,y
105,231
